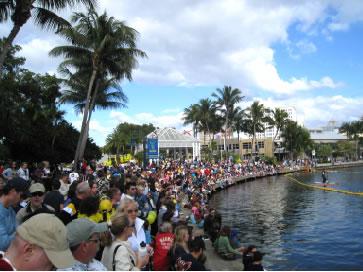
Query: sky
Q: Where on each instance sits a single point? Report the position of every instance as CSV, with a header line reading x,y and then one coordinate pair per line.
x,y
304,54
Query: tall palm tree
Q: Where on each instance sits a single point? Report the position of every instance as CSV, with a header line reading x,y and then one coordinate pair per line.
x,y
239,122
191,116
43,13
109,95
279,119
227,98
207,111
257,117
101,47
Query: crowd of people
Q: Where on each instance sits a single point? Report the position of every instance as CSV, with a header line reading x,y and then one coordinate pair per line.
x,y
122,217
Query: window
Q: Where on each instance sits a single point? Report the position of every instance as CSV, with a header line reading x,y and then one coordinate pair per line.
x,y
229,147
220,147
261,145
235,146
247,146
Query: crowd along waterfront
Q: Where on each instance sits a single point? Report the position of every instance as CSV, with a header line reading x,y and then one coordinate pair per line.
x,y
299,228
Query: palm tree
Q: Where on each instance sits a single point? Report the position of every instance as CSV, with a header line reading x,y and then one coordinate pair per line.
x,y
191,116
109,95
227,98
279,119
239,122
101,47
43,13
257,117
207,111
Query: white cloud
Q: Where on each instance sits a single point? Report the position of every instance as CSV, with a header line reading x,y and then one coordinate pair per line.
x,y
162,120
257,66
190,42
316,111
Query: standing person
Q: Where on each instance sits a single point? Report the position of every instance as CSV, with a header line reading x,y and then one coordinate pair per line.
x,y
324,177
64,185
11,197
164,240
84,241
130,191
130,208
54,198
248,256
40,244
10,172
37,191
82,192
119,255
23,171
180,247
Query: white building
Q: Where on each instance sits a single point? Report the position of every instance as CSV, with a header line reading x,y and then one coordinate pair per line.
x,y
271,131
327,134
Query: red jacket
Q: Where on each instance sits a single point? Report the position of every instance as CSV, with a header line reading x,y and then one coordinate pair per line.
x,y
163,243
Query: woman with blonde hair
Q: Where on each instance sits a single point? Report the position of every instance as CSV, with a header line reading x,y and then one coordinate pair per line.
x,y
119,255
130,208
180,247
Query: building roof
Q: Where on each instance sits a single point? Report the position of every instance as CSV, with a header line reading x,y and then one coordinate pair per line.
x,y
327,136
170,137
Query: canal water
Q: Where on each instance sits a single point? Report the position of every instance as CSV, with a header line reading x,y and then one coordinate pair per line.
x,y
299,228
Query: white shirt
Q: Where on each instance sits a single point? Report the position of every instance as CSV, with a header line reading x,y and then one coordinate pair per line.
x,y
23,173
135,240
94,265
125,258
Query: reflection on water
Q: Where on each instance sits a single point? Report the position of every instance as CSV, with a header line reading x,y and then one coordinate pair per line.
x,y
299,228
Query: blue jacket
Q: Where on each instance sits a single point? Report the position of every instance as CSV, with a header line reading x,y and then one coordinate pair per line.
x,y
7,226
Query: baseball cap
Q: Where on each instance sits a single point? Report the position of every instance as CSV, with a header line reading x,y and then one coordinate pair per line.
x,y
81,229
37,187
49,233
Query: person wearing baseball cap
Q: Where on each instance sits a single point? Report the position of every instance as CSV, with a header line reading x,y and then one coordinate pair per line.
x,y
40,244
84,241
36,191
11,197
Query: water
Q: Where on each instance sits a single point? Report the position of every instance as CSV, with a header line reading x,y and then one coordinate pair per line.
x,y
299,228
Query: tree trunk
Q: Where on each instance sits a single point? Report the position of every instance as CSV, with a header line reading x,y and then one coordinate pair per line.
x,y
253,141
6,47
86,134
85,117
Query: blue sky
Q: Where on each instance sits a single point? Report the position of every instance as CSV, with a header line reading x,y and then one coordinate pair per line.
x,y
304,54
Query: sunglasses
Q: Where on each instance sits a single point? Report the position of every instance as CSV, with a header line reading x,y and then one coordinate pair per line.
x,y
94,240
37,194
130,211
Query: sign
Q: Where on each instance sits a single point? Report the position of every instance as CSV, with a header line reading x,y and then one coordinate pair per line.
x,y
152,146
313,153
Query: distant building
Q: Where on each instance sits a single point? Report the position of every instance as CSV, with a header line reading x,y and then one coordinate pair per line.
x,y
327,134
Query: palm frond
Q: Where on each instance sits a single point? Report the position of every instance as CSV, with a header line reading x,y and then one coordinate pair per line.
x,y
49,20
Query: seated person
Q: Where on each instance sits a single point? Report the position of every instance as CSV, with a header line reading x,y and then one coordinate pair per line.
x,y
223,246
257,262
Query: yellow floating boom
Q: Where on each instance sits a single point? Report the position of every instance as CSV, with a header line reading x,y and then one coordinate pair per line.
x,y
289,176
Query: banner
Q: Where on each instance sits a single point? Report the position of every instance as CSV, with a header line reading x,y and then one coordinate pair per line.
x,y
152,148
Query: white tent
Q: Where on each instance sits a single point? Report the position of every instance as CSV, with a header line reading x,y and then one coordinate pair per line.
x,y
176,144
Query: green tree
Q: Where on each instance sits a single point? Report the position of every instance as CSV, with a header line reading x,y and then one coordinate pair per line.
x,y
257,117
345,149
296,139
124,135
279,119
353,130
101,47
191,116
324,151
239,122
44,13
227,99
